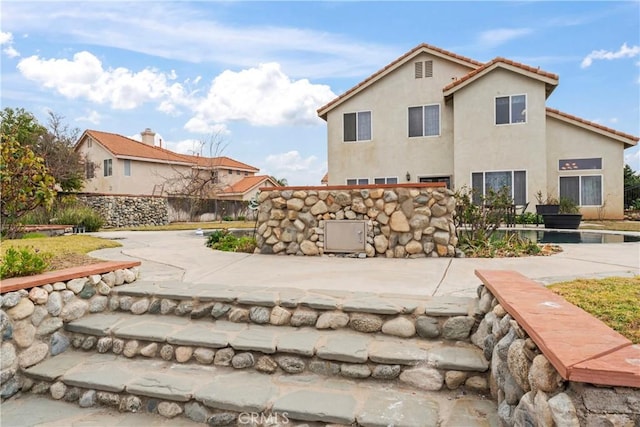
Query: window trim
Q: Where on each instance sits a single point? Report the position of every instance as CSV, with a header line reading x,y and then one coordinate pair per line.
x,y
511,122
512,171
356,130
424,124
564,171
580,176
357,180
386,180
107,165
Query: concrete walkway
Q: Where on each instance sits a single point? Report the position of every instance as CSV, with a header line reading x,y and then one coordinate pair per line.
x,y
182,255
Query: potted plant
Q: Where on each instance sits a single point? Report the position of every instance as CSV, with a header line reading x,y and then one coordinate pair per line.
x,y
546,205
567,218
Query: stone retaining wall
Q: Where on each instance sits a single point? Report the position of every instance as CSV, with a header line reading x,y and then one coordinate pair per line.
x,y
530,391
31,321
128,211
401,220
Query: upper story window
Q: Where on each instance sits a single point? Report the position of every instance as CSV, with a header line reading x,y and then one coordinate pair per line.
x,y
357,126
423,69
511,109
90,170
424,121
127,167
108,167
579,164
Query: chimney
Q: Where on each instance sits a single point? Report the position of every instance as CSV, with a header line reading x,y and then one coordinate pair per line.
x,y
148,137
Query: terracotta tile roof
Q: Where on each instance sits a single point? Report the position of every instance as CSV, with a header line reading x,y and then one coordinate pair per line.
x,y
222,162
424,46
495,61
120,145
325,178
247,183
592,124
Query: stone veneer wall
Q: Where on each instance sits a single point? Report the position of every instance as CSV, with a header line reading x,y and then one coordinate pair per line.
x,y
31,322
531,392
407,220
128,211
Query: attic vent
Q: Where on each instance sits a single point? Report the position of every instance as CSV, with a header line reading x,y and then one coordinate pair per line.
x,y
423,69
418,69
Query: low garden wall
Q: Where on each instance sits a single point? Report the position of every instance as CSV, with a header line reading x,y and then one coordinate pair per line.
x,y
34,310
128,211
530,391
405,220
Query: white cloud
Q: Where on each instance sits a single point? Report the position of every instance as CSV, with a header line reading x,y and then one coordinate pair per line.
x,y
262,96
6,40
92,117
632,158
624,52
498,36
295,168
84,77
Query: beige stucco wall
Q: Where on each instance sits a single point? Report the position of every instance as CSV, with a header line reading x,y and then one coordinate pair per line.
x,y
391,153
482,146
567,141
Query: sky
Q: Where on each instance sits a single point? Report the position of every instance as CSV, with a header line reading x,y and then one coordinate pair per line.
x,y
245,79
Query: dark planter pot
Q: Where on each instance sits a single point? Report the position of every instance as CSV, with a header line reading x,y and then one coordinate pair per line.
x,y
562,221
547,209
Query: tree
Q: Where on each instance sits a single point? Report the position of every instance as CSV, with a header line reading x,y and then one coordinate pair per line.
x,y
282,182
631,187
25,182
56,147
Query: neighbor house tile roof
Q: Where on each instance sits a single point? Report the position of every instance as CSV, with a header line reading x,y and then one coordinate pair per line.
x,y
592,124
472,63
325,178
120,146
498,60
247,183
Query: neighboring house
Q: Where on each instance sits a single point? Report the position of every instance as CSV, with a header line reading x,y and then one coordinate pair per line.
x,y
325,179
120,165
435,116
247,188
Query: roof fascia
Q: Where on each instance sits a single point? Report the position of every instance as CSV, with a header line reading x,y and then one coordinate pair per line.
x,y
586,126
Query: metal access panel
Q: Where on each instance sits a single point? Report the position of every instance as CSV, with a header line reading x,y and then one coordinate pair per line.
x,y
345,236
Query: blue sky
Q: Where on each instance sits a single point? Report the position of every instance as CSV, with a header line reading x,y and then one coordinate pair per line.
x,y
254,73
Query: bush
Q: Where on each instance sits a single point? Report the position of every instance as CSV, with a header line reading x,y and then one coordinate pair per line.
x,y
223,240
79,215
511,244
528,218
227,218
23,262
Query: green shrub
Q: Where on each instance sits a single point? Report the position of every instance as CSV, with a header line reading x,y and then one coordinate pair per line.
x,y
23,262
568,206
246,244
79,215
510,244
241,217
215,237
223,240
227,218
528,218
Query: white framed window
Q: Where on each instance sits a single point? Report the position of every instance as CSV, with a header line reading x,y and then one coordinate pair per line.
x,y
357,181
127,167
90,169
424,120
511,109
515,181
579,164
386,180
584,190
357,126
107,167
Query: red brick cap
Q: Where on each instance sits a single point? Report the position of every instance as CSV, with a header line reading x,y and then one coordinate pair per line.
x,y
579,346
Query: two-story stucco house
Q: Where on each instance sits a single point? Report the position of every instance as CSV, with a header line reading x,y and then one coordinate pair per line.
x,y
435,116
123,166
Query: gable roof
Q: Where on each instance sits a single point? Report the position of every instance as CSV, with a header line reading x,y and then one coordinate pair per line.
x,y
421,48
248,183
123,147
550,79
628,140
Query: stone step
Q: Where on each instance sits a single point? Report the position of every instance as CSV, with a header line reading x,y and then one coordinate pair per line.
x,y
223,396
402,315
267,348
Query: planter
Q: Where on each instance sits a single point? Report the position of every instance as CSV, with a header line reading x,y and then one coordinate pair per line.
x,y
547,209
562,221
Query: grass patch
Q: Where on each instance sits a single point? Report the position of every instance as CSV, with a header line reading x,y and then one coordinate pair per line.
x,y
611,225
614,300
66,251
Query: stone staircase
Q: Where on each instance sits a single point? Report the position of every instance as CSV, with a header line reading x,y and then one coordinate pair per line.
x,y
273,357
